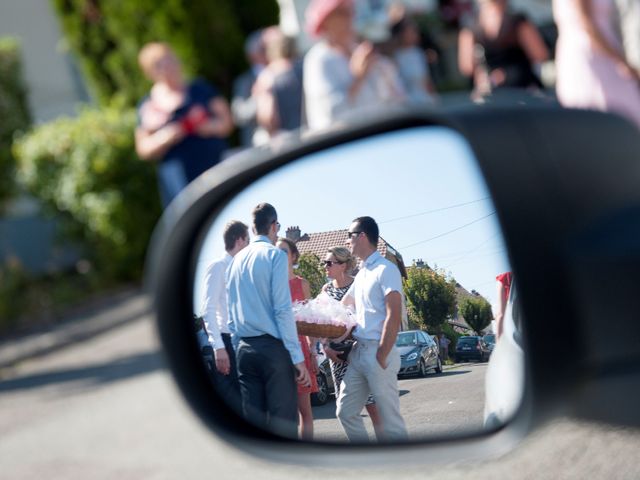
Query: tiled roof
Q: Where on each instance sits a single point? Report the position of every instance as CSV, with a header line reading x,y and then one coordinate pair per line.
x,y
319,243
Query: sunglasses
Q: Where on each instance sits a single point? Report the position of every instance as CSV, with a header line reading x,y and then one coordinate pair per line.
x,y
350,235
329,263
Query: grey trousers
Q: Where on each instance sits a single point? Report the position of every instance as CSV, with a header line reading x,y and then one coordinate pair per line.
x,y
365,375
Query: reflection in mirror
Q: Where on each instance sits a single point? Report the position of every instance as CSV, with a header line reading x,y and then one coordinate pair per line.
x,y
438,272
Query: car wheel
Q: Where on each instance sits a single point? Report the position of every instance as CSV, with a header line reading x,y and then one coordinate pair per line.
x,y
439,366
422,369
322,395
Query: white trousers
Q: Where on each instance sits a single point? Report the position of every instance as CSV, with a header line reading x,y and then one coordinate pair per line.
x,y
364,376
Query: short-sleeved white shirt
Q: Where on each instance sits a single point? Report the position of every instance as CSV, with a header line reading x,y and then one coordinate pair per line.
x,y
376,279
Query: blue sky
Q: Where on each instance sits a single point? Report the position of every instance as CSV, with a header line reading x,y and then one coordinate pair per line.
x,y
422,186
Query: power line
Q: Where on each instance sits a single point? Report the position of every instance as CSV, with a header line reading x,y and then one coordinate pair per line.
x,y
448,232
473,250
435,210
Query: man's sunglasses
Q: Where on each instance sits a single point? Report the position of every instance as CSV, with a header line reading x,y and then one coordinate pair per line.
x,y
350,235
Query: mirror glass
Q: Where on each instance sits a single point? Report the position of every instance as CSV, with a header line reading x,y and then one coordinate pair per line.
x,y
438,230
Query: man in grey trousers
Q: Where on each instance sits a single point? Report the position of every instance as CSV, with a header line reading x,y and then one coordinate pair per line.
x,y
374,361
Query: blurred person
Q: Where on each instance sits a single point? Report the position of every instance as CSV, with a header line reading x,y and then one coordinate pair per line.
x,y
443,343
342,77
500,50
216,315
301,291
243,104
269,356
182,125
629,17
503,285
339,265
374,361
592,71
411,61
278,89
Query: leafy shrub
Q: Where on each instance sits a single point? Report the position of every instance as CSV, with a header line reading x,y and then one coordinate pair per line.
x,y
13,281
86,168
13,112
310,268
106,36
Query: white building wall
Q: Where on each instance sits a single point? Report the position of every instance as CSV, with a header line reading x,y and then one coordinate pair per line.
x,y
53,88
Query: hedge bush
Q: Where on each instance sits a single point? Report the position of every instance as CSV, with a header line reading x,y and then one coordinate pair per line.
x,y
14,112
208,36
86,169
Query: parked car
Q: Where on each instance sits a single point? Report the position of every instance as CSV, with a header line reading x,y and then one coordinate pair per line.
x,y
472,348
418,353
326,388
490,340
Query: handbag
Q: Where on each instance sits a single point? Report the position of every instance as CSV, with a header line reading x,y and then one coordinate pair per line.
x,y
343,347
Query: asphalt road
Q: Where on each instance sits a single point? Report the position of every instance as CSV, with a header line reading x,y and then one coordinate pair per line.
x,y
437,405
106,408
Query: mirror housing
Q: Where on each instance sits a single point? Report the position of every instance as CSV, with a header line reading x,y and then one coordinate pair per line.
x,y
552,191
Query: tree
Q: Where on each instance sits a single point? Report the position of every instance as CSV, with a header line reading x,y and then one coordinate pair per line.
x,y
310,269
207,35
14,113
431,298
476,312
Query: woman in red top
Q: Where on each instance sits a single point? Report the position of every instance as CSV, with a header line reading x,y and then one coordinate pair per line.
x,y
301,291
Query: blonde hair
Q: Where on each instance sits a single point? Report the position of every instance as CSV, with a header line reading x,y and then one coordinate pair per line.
x,y
343,255
150,54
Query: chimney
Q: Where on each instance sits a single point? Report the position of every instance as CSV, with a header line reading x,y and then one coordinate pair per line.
x,y
293,233
418,263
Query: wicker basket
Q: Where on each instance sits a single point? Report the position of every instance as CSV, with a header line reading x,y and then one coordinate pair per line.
x,y
320,330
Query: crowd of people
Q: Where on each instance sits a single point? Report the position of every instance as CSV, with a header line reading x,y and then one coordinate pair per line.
x,y
351,73
267,371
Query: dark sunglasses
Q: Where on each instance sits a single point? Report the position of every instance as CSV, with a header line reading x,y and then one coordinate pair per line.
x,y
328,263
350,235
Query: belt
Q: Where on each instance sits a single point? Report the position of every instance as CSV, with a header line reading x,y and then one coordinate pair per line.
x,y
266,335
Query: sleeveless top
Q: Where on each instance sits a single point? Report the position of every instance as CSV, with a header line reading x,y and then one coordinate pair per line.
x,y
504,51
297,293
337,292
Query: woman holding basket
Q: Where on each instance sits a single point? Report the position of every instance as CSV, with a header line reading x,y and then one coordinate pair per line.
x,y
339,264
301,291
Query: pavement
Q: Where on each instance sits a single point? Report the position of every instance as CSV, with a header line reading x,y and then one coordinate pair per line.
x,y
107,313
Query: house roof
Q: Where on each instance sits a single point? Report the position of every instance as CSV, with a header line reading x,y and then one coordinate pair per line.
x,y
318,243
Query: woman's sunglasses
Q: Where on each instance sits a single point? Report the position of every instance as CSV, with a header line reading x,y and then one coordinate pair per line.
x,y
328,263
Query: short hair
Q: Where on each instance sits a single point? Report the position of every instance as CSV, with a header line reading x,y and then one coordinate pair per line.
x,y
234,230
254,43
370,228
278,45
343,255
150,54
292,247
263,216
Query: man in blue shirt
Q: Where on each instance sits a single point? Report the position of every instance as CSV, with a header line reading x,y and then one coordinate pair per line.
x,y
269,356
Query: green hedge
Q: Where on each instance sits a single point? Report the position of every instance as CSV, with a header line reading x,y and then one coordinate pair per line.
x,y
14,112
208,36
86,170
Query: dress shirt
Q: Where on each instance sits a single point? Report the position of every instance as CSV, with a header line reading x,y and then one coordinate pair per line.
x,y
376,279
259,295
215,312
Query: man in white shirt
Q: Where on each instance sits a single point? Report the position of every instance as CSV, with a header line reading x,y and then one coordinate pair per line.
x,y
216,314
374,361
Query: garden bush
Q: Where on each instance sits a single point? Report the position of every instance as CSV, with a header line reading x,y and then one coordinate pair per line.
x,y
86,172
14,112
208,36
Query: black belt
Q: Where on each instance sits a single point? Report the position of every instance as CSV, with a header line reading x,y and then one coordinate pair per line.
x,y
266,335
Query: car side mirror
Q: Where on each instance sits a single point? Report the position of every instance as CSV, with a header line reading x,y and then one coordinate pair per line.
x,y
519,176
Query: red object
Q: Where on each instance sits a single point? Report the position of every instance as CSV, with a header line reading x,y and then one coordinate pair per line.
x,y
193,119
505,279
297,294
